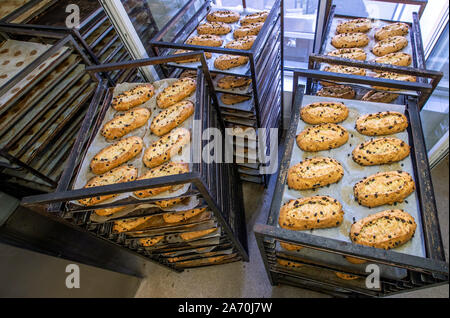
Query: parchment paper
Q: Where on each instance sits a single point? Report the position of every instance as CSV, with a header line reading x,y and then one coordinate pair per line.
x,y
343,190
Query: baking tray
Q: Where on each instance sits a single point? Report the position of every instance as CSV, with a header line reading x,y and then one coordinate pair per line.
x,y
343,190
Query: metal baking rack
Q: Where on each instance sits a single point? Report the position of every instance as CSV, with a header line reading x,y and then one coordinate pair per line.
x,y
264,67
40,106
417,69
399,272
215,186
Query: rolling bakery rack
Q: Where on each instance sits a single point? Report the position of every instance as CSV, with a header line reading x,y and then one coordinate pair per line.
x,y
213,187
265,69
315,265
426,81
44,93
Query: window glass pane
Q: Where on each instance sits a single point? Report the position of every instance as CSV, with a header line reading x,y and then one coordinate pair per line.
x,y
434,115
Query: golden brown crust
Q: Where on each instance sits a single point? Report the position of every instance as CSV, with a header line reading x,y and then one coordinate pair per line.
x,y
227,61
382,123
384,188
167,169
346,276
338,91
166,147
345,70
255,17
226,16
205,40
171,117
354,260
176,92
349,53
290,264
118,175
243,43
126,225
132,98
231,99
387,229
390,45
315,212
390,30
380,151
230,81
379,97
247,29
149,242
291,247
188,236
190,59
324,112
175,217
168,203
350,40
396,58
359,25
189,73
116,154
123,124
393,76
216,28
322,137
315,173
109,211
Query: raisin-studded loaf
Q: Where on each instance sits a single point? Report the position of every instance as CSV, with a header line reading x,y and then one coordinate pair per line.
x,y
243,43
345,70
396,58
380,151
205,40
324,112
382,123
116,154
176,92
190,59
289,264
149,242
231,99
132,98
167,169
393,29
350,40
384,188
255,17
389,45
346,276
118,175
216,28
359,25
171,117
349,53
311,213
290,246
126,225
379,97
166,147
226,16
322,137
124,123
227,61
393,76
314,173
338,91
387,229
248,29
188,236
175,217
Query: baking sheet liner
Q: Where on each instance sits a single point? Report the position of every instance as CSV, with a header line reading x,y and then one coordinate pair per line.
x,y
240,70
99,142
376,24
343,190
